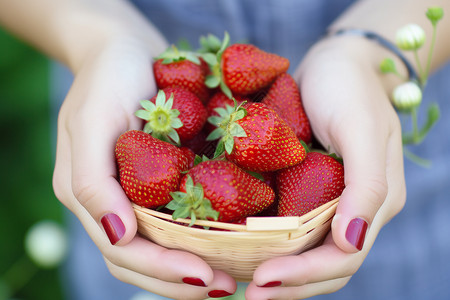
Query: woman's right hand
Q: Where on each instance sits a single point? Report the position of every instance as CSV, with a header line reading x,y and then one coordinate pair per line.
x,y
99,107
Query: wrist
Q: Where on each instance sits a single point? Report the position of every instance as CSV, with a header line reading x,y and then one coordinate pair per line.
x,y
87,31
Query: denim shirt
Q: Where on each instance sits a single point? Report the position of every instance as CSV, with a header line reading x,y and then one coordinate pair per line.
x,y
411,256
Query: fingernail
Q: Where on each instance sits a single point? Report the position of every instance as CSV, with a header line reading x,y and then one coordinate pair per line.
x,y
193,281
356,232
218,294
271,284
114,227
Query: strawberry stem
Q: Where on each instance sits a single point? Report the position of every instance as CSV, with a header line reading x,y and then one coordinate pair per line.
x,y
173,54
212,54
227,127
192,203
161,119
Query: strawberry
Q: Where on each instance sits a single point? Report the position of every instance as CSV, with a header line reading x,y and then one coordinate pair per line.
x,y
247,69
149,168
181,68
220,100
220,190
255,138
309,184
284,97
243,68
190,155
180,117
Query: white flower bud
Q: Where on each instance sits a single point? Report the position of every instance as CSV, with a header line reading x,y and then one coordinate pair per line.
x,y
407,96
410,37
46,244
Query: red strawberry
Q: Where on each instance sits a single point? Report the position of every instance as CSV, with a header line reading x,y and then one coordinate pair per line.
x,y
149,168
284,97
181,68
181,116
309,184
220,100
270,179
242,69
220,190
247,69
190,155
257,139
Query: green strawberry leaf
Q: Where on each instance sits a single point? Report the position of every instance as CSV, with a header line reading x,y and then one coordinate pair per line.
x,y
337,158
305,146
228,142
255,174
210,43
173,135
212,81
161,119
173,54
225,89
220,149
224,45
210,59
148,105
236,130
191,204
199,159
223,112
215,120
216,134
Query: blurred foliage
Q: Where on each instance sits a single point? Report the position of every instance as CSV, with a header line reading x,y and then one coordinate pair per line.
x,y
26,160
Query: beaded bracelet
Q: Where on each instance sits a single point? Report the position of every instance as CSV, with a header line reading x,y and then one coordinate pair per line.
x,y
412,74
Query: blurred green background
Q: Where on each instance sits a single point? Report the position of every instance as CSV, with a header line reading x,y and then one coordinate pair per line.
x,y
26,165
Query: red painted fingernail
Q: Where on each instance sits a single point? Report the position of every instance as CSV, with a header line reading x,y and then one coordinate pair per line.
x,y
272,284
218,294
193,281
356,232
114,227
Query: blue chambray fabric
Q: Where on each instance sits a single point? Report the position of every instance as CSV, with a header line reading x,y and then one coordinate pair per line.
x,y
411,256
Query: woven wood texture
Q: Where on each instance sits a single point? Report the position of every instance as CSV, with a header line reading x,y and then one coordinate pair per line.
x,y
238,249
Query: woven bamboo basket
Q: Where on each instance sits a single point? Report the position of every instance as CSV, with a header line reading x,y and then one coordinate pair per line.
x,y
238,249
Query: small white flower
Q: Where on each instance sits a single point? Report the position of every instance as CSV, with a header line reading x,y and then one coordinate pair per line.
x,y
410,37
46,243
407,96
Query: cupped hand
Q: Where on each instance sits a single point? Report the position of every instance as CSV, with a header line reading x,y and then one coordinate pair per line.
x,y
98,108
347,102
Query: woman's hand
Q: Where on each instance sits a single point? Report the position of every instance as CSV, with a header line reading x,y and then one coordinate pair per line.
x,y
99,107
351,115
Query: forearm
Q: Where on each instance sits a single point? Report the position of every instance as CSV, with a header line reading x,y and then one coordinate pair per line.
x,y
385,17
69,30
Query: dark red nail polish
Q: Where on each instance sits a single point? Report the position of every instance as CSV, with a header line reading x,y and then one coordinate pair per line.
x,y
356,232
218,294
193,281
272,284
114,227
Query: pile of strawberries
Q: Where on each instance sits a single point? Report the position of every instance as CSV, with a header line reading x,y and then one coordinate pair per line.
x,y
225,138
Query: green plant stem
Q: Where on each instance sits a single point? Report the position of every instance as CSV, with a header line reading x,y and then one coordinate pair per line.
x,y
419,66
416,159
430,54
415,127
19,274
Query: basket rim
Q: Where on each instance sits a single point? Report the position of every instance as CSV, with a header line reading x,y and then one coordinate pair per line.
x,y
254,223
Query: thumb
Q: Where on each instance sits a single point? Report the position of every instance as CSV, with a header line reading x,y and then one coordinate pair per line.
x,y
365,191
